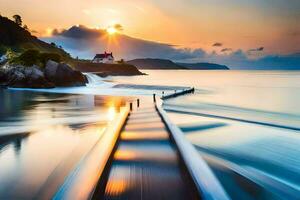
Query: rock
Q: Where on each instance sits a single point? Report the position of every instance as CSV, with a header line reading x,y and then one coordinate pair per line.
x,y
63,75
50,69
27,77
33,77
2,76
3,59
33,72
16,78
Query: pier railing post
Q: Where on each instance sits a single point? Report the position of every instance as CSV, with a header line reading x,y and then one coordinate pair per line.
x,y
154,99
130,105
138,103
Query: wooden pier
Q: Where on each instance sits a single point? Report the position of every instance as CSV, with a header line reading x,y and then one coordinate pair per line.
x,y
153,160
145,163
178,93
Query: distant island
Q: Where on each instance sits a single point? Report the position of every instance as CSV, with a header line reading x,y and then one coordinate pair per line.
x,y
204,66
151,63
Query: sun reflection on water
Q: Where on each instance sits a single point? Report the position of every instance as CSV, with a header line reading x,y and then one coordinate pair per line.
x,y
111,113
56,132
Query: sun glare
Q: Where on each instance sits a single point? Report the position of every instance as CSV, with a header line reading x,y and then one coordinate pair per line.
x,y
111,30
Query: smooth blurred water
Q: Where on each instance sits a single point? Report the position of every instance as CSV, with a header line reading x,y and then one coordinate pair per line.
x,y
266,91
43,136
245,124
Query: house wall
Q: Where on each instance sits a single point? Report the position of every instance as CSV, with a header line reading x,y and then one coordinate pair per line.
x,y
104,60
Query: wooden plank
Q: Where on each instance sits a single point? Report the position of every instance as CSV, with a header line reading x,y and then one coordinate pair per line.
x,y
146,164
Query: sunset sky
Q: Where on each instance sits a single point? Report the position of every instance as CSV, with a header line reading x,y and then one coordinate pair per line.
x,y
235,24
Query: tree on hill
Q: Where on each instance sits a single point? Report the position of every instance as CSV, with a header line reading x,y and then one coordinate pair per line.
x,y
26,27
35,57
121,61
18,19
29,57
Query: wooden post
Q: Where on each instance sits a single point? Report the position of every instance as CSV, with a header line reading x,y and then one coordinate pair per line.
x,y
154,99
130,106
138,102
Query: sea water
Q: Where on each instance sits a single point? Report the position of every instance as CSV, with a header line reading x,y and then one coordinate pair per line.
x,y
245,124
43,136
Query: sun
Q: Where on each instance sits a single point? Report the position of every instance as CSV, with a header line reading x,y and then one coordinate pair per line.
x,y
111,30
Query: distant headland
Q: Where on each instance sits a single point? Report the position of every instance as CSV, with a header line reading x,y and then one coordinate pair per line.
x,y
150,63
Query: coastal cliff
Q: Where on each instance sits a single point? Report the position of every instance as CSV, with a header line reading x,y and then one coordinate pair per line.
x,y
102,69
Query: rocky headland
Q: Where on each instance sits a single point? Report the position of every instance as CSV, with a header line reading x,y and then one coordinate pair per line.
x,y
52,75
103,69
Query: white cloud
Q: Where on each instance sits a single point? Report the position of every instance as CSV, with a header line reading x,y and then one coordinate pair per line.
x,y
85,43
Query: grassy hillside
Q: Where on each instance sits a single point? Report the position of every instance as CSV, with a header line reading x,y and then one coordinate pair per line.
x,y
16,38
122,69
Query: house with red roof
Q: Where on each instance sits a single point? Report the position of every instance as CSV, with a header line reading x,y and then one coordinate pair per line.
x,y
104,58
